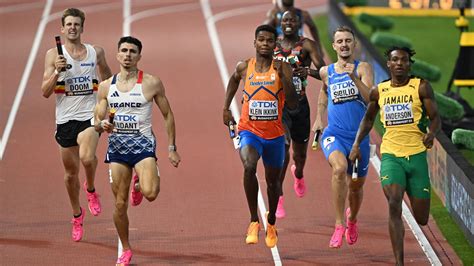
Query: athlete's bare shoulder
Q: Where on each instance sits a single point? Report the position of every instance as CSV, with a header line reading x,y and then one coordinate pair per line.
x,y
151,84
99,50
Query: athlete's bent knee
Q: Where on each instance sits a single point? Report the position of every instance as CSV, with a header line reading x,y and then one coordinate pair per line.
x,y
339,172
88,160
150,194
395,206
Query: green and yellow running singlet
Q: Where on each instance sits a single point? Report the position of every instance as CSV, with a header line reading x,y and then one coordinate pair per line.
x,y
403,117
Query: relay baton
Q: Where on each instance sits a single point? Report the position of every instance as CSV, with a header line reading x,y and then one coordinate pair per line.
x,y
112,115
231,129
315,144
59,47
355,170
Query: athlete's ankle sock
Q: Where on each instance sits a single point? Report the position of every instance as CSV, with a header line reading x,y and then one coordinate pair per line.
x,y
79,215
91,191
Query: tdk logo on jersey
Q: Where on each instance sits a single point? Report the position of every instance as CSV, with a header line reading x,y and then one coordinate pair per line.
x,y
264,104
126,118
397,107
78,80
343,85
87,64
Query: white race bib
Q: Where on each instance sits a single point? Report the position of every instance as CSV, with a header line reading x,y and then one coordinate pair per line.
x,y
79,86
343,91
126,124
398,114
263,110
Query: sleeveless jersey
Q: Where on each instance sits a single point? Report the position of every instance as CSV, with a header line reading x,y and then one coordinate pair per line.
x,y
346,108
263,100
295,55
279,15
403,117
76,88
133,111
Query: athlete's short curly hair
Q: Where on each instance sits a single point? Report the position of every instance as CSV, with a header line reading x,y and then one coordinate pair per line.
x,y
266,27
409,51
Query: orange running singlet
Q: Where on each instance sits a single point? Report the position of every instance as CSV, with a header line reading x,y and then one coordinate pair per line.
x,y
263,103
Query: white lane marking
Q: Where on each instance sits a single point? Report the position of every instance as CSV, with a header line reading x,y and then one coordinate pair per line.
x,y
127,12
25,77
241,11
160,11
414,227
212,31
20,7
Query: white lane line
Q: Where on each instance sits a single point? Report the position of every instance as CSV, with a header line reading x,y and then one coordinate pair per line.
x,y
160,11
25,77
127,11
212,31
20,7
241,11
414,227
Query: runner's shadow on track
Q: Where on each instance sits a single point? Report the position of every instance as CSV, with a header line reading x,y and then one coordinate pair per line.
x,y
25,243
158,257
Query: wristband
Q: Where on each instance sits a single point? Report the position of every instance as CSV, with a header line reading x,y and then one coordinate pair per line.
x,y
56,72
171,148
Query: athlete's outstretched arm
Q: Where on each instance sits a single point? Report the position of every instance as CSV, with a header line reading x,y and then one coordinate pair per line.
x,y
366,123
104,69
427,97
232,87
165,108
286,76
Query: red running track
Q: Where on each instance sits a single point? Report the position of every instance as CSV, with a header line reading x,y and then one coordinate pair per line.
x,y
200,216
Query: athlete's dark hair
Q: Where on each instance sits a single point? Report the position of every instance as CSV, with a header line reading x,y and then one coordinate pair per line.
x,y
132,40
409,51
267,28
73,12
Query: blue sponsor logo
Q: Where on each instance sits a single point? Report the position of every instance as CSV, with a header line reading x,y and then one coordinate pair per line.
x,y
88,64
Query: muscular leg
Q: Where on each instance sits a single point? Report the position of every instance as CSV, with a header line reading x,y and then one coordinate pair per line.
x,y
273,190
249,157
121,177
299,156
149,179
421,210
356,194
338,162
87,141
70,159
394,194
285,166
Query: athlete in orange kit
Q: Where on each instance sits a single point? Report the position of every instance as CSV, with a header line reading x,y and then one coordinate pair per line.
x,y
268,86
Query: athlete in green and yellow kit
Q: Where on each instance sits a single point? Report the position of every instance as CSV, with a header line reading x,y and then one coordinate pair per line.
x,y
407,105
